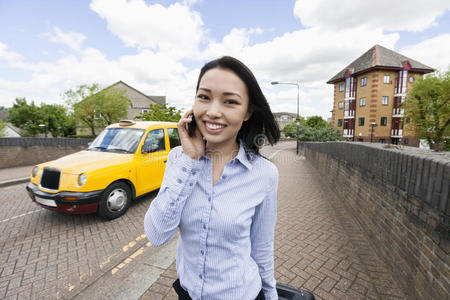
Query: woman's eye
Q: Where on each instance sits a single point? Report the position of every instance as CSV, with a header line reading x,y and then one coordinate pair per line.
x,y
231,102
203,97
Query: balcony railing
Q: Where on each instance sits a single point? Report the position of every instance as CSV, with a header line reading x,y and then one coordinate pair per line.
x,y
349,114
398,112
348,132
396,133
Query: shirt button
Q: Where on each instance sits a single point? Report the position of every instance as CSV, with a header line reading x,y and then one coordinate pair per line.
x,y
193,172
184,169
202,252
200,276
204,226
190,184
209,198
179,180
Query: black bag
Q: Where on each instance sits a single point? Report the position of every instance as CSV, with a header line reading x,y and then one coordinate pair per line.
x,y
286,292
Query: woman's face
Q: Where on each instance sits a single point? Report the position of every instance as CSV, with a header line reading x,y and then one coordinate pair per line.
x,y
221,106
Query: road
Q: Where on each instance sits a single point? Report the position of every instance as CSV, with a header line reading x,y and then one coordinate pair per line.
x,y
45,254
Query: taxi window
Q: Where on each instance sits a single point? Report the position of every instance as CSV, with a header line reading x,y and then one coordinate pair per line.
x,y
174,138
155,140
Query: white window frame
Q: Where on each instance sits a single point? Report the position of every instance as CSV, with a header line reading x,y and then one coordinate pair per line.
x,y
387,79
385,100
340,105
362,101
341,87
364,81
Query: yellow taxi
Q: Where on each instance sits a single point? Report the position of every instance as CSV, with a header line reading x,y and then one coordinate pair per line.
x,y
125,161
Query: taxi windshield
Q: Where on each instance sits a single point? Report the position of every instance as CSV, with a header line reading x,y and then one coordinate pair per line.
x,y
120,140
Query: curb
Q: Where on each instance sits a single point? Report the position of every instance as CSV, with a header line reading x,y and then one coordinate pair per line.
x,y
13,181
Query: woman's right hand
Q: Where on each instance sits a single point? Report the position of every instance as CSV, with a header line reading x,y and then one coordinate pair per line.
x,y
193,146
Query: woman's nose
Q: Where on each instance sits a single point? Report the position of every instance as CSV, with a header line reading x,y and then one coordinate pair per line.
x,y
214,110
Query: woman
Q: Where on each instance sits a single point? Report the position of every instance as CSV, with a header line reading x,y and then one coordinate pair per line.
x,y
219,191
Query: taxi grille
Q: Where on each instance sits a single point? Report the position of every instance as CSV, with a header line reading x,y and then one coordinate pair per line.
x,y
50,179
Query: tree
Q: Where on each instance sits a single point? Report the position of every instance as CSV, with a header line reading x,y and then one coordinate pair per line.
x,y
56,120
2,128
290,129
161,112
29,116
428,107
314,129
113,105
97,108
25,116
316,122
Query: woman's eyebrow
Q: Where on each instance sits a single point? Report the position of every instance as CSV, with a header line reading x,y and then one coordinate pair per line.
x,y
225,93
206,90
232,94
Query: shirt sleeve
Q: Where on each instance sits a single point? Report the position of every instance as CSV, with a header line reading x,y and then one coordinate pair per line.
x,y
262,237
163,216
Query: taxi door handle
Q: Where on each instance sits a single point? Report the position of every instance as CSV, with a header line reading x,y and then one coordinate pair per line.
x,y
165,161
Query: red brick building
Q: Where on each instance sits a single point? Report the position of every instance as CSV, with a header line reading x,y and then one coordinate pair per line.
x,y
368,95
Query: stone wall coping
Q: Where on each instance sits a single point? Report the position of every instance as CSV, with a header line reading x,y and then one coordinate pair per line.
x,y
422,173
32,141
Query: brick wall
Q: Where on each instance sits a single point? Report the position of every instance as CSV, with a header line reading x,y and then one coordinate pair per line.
x,y
16,152
400,197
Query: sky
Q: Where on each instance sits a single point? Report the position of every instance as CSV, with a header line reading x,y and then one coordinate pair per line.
x,y
50,46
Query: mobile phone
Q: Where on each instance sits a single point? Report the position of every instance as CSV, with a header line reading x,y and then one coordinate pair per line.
x,y
192,125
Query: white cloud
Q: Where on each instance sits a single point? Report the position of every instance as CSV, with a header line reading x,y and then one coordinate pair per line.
x,y
412,15
73,40
433,52
9,56
175,30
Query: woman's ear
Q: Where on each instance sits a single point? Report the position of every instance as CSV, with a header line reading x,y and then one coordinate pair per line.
x,y
248,114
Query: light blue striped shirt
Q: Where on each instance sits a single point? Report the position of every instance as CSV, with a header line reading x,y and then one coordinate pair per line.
x,y
225,247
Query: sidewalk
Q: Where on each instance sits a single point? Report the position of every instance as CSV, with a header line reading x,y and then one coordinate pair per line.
x,y
318,246
10,176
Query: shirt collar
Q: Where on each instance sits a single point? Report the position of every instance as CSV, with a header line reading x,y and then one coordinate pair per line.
x,y
242,156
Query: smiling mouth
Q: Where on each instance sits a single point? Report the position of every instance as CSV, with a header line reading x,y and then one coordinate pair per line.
x,y
213,126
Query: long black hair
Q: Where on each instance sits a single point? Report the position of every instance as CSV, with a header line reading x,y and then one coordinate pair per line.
x,y
261,126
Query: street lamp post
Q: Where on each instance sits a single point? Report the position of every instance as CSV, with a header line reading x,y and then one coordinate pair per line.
x,y
45,129
298,97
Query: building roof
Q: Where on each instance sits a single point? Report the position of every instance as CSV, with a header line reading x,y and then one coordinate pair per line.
x,y
379,57
279,114
135,102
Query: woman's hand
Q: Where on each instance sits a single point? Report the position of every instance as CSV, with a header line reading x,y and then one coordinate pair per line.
x,y
193,146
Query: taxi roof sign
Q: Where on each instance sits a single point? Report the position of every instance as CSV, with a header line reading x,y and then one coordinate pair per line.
x,y
126,122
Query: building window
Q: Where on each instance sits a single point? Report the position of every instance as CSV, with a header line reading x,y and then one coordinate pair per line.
x,y
387,79
339,122
408,120
361,122
405,141
360,140
145,110
341,105
385,100
411,79
341,87
362,101
364,81
383,121
382,141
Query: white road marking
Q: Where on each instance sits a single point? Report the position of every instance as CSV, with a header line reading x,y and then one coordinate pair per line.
x,y
22,215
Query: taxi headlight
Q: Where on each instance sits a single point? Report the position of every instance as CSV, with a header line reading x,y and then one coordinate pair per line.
x,y
34,172
82,179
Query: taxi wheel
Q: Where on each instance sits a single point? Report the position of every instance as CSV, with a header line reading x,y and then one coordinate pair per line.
x,y
114,201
